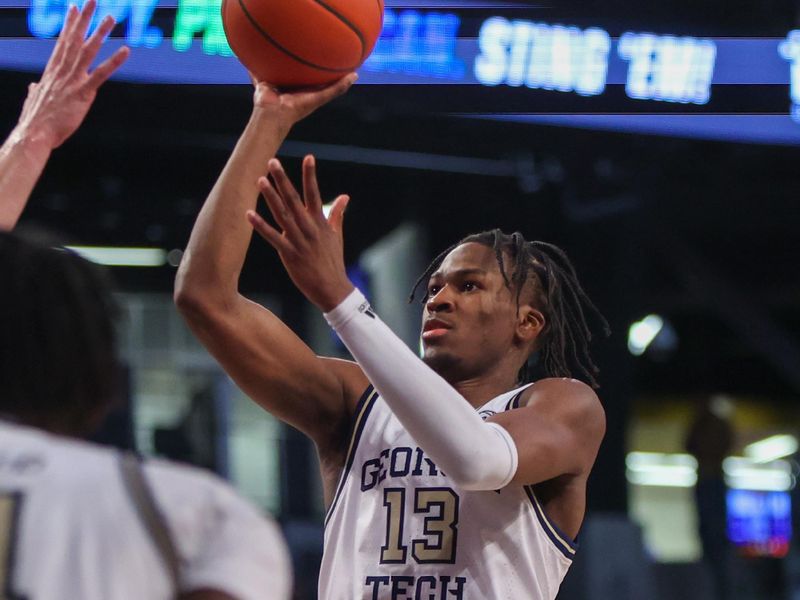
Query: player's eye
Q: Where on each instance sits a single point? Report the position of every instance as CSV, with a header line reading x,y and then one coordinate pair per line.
x,y
433,290
469,286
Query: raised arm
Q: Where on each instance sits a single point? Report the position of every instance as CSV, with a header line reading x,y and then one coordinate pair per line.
x,y
54,109
266,359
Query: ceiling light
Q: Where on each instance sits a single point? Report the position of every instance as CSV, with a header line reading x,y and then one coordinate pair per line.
x,y
122,257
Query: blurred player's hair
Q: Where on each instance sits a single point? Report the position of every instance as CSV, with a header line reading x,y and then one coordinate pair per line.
x,y
563,346
58,359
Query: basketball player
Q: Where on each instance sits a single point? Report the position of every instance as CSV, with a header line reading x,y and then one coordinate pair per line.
x,y
82,521
78,521
55,107
448,478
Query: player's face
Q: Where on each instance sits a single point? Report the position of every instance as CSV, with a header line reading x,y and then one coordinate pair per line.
x,y
469,320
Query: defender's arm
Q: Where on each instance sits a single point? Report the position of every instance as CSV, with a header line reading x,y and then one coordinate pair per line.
x,y
54,109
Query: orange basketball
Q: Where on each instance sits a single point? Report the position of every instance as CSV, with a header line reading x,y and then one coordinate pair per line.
x,y
302,43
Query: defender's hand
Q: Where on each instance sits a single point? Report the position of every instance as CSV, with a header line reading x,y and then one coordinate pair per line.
x,y
309,245
56,105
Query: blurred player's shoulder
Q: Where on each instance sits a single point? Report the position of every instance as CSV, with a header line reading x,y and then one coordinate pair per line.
x,y
28,454
28,451
74,468
221,536
69,489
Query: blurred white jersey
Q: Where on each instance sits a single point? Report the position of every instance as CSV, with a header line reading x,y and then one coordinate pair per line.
x,y
398,528
69,530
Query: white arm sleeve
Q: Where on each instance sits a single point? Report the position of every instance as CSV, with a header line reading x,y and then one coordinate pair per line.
x,y
474,454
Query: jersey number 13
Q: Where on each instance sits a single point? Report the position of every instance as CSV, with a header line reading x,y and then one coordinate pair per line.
x,y
438,507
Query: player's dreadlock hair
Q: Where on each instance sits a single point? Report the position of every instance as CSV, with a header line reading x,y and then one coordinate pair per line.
x,y
564,343
58,362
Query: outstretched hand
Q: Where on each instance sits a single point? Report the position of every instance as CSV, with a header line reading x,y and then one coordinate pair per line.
x,y
289,107
58,103
309,245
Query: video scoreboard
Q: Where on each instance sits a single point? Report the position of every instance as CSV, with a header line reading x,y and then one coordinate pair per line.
x,y
508,60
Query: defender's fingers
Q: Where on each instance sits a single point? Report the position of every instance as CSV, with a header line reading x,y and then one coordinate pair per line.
x,y
70,22
82,24
74,36
92,46
106,69
278,208
268,232
58,52
311,187
336,217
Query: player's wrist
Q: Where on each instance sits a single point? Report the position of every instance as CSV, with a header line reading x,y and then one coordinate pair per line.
x,y
271,120
34,142
333,298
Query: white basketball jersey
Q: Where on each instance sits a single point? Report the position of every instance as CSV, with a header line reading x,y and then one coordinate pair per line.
x,y
70,531
398,528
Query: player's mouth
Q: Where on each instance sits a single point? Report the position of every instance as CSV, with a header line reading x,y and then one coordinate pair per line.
x,y
435,328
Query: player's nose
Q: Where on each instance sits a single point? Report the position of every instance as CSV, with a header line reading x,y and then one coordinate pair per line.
x,y
441,301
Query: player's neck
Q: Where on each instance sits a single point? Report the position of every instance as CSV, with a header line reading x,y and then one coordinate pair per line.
x,y
479,390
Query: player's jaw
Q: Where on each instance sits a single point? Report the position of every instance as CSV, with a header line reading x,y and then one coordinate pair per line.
x,y
441,349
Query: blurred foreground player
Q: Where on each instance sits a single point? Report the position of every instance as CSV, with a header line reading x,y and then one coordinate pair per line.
x,y
78,521
455,479
86,522
83,521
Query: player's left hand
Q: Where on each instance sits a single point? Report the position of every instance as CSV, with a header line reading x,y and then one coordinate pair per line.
x,y
58,103
309,245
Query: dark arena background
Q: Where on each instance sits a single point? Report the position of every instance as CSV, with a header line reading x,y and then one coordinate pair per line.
x,y
658,143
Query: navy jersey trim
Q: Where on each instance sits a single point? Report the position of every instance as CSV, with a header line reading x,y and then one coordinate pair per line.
x,y
560,540
363,408
513,402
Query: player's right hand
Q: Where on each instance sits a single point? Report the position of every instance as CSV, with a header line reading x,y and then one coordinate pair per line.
x,y
289,107
58,103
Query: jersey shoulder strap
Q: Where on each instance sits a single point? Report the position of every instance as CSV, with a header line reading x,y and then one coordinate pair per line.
x,y
151,517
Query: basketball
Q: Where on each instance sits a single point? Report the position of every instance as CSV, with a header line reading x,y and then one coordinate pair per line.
x,y
295,44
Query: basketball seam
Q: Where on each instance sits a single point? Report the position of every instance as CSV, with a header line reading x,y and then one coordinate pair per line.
x,y
291,54
346,22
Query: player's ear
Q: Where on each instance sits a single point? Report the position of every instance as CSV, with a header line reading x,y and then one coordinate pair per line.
x,y
530,323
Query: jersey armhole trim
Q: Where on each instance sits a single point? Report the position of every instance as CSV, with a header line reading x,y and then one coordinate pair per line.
x,y
360,415
515,399
560,540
